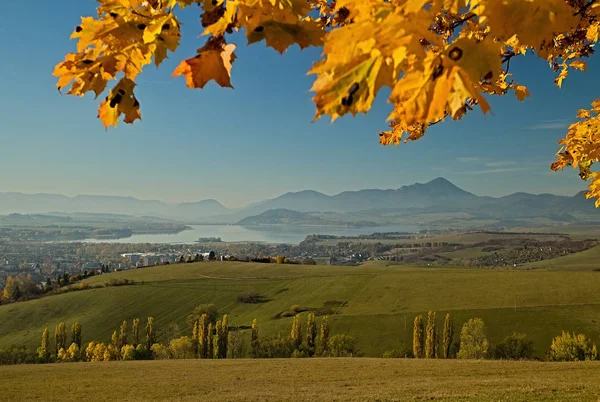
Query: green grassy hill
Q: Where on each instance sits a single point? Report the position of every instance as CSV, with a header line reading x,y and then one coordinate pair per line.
x,y
587,260
381,301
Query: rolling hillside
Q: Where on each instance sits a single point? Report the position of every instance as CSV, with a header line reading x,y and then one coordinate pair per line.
x,y
380,301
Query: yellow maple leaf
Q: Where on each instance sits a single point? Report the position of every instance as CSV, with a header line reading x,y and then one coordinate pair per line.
x,y
446,82
521,92
227,18
213,62
120,101
280,36
455,6
534,22
579,64
353,88
280,23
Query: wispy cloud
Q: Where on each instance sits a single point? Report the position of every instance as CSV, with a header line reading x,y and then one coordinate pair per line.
x,y
500,163
551,125
488,171
467,159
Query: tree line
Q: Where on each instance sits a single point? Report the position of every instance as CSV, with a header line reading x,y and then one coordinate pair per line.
x,y
211,338
474,344
214,338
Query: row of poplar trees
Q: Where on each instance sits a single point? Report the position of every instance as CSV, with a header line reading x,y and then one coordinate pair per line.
x,y
73,352
204,344
426,341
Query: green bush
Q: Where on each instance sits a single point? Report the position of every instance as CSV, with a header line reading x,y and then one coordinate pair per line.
x,y
473,340
274,347
403,352
515,347
160,352
342,346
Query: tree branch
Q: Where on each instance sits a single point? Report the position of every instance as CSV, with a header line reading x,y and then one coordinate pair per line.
x,y
461,21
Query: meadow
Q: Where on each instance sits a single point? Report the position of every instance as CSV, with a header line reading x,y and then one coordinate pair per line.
x,y
379,301
325,379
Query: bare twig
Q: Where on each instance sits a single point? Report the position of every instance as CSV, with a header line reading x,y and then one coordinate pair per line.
x,y
461,21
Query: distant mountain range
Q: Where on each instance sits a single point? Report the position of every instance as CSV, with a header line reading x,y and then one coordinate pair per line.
x,y
439,198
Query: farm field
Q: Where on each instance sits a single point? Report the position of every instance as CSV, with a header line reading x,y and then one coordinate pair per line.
x,y
379,301
328,379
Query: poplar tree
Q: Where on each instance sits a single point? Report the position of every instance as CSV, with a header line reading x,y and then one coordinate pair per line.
x,y
135,332
195,337
322,346
76,334
150,333
254,343
122,335
60,337
224,337
448,334
114,340
296,334
43,351
210,345
418,337
204,334
431,341
311,333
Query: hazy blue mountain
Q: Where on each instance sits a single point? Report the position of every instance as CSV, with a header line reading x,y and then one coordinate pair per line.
x,y
201,208
283,216
436,196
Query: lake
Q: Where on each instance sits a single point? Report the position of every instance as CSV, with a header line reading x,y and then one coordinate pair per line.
x,y
257,234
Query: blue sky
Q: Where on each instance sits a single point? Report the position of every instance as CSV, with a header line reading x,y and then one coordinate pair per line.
x,y
256,141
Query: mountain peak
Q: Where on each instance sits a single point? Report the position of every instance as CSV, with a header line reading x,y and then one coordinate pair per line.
x,y
439,186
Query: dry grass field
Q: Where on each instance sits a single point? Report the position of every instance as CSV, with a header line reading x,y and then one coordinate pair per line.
x,y
350,379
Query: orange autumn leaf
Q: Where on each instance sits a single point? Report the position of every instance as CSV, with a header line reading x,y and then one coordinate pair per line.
x,y
213,62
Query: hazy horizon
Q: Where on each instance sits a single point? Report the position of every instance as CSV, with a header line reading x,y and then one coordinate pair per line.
x,y
226,204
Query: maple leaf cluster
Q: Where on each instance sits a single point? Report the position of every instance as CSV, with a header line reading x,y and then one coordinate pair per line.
x,y
440,58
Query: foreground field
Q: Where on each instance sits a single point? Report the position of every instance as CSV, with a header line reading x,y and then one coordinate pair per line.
x,y
302,380
380,301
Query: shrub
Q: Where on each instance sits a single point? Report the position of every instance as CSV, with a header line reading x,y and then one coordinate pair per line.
x,y
99,351
342,346
236,345
128,352
473,340
84,286
141,353
274,347
403,352
119,282
515,347
160,352
567,347
251,298
17,355
297,354
181,348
